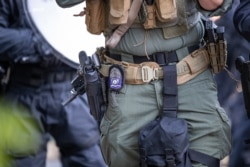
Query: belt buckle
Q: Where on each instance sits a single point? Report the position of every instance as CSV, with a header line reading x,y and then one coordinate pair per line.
x,y
149,73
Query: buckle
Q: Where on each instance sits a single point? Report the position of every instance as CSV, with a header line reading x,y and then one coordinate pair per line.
x,y
170,157
149,73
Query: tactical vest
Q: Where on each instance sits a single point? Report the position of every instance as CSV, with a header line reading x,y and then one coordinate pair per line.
x,y
175,17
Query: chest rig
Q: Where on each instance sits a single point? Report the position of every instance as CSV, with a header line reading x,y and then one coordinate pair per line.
x,y
114,17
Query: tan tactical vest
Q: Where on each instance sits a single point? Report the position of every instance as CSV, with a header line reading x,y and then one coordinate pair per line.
x,y
175,17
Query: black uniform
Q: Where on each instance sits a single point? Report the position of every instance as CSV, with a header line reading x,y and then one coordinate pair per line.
x,y
40,83
242,19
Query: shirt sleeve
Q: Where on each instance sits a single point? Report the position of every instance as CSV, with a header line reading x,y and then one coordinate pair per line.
x,y
241,19
226,6
14,40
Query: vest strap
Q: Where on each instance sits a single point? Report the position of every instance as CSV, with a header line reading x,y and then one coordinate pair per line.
x,y
121,30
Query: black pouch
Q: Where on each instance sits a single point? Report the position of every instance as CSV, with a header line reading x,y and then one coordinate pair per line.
x,y
164,142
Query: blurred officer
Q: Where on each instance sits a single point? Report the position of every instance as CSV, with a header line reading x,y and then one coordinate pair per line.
x,y
242,19
39,82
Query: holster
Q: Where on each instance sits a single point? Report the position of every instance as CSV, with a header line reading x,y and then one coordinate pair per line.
x,y
243,67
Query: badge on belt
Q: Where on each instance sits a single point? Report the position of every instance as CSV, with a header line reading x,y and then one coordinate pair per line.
x,y
116,77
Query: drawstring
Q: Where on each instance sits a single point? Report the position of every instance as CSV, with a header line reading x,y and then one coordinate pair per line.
x,y
145,43
238,82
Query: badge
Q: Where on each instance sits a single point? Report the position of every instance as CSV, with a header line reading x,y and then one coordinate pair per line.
x,y
116,77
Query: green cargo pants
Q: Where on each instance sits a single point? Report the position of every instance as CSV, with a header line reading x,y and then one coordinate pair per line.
x,y
136,105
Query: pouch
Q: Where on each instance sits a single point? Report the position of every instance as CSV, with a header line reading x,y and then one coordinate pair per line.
x,y
119,11
150,19
164,142
218,55
95,16
166,10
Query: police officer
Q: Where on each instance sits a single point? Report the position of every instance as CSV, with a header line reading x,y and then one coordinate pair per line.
x,y
40,82
242,19
142,37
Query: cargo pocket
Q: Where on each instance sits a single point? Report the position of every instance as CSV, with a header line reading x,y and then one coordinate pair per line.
x,y
225,134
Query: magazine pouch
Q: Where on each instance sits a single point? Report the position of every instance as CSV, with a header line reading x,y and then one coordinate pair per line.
x,y
166,10
119,11
164,141
95,16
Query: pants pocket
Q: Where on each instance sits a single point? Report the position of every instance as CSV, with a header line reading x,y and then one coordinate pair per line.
x,y
225,133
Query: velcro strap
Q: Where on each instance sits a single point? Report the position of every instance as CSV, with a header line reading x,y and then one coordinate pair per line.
x,y
170,92
188,68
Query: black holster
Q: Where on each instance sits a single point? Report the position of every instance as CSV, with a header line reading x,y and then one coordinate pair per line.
x,y
243,67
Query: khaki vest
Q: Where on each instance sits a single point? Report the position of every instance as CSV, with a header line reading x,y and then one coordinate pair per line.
x,y
175,17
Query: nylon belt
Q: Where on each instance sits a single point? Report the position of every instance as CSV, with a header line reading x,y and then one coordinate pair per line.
x,y
162,58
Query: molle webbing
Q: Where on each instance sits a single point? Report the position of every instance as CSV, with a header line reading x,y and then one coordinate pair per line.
x,y
119,10
187,17
181,26
166,10
121,30
175,24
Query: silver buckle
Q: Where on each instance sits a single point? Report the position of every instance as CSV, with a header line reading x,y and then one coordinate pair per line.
x,y
149,73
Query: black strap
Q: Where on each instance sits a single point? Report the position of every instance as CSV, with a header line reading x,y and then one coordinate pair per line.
x,y
170,107
170,98
170,158
162,58
203,158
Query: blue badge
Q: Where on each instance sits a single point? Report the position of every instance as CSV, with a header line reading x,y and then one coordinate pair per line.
x,y
116,77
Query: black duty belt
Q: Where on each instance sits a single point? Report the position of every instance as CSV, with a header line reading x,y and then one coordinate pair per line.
x,y
34,76
162,58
